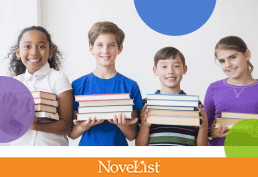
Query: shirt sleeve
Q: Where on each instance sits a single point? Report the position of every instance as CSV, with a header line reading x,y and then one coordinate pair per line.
x,y
62,83
137,97
75,104
209,106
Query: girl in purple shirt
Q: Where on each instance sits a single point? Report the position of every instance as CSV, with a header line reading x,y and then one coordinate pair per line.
x,y
238,93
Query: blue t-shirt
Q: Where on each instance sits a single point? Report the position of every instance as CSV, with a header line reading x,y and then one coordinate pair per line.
x,y
106,134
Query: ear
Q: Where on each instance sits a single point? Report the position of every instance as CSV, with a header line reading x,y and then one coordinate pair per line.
x,y
155,71
185,69
120,49
51,52
91,47
247,54
18,52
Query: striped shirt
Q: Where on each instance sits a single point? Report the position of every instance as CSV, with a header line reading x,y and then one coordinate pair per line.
x,y
172,135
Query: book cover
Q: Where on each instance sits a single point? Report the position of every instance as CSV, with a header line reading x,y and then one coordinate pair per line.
x,y
174,113
45,108
173,97
109,115
46,95
238,115
99,109
47,115
173,103
106,103
46,102
102,97
173,120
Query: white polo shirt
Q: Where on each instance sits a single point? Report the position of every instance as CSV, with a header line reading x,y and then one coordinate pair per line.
x,y
48,80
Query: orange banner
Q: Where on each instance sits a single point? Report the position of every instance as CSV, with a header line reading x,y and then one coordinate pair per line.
x,y
79,167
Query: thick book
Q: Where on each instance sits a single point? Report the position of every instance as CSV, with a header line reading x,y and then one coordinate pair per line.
x,y
118,96
227,120
109,115
173,120
106,103
47,115
173,97
174,113
46,95
46,102
229,126
99,109
151,107
45,108
238,115
173,103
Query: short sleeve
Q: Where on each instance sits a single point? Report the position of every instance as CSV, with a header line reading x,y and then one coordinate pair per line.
x,y
209,106
75,104
62,83
137,97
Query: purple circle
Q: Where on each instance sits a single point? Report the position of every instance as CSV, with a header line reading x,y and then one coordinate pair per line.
x,y
17,109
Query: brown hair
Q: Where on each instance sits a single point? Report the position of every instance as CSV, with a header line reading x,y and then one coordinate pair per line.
x,y
167,53
233,43
106,28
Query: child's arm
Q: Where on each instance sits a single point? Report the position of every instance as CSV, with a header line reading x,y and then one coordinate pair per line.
x,y
202,138
143,135
128,127
219,132
81,126
64,125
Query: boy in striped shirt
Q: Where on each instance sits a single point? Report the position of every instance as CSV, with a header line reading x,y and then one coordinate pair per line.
x,y
169,66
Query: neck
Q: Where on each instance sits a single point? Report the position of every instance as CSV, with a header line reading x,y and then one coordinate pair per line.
x,y
105,72
170,90
242,81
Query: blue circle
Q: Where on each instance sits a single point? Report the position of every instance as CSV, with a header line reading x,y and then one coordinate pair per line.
x,y
174,17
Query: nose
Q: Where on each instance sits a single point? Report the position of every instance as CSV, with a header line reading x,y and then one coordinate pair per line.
x,y
105,49
228,63
170,70
34,51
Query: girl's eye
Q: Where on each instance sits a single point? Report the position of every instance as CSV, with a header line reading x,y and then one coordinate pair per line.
x,y
99,45
163,66
26,46
41,47
221,61
112,45
177,66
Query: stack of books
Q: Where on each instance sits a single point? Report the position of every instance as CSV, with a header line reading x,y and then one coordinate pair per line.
x,y
230,118
45,106
104,106
172,109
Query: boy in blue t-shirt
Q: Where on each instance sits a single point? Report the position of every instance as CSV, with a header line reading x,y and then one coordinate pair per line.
x,y
106,42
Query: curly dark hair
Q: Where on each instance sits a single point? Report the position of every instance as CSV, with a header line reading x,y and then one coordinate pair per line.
x,y
17,67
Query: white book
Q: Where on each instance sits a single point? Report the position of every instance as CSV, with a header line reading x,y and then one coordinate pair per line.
x,y
172,103
151,107
173,97
106,102
46,102
47,115
109,115
118,96
99,109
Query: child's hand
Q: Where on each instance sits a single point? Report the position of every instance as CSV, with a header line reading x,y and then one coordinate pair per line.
x,y
7,103
218,132
121,121
24,110
203,118
144,113
87,124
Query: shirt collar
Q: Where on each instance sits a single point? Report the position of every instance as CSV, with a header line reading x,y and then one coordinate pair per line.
x,y
181,92
39,74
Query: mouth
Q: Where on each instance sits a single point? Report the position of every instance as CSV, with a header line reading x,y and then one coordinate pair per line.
x,y
171,79
105,57
231,70
34,61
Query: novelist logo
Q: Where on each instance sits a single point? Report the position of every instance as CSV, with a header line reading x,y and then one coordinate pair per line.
x,y
134,167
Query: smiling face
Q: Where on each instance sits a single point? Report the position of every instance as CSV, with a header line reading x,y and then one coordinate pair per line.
x,y
170,73
234,63
105,50
34,50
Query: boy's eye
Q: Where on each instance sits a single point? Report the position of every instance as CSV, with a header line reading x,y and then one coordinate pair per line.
x,y
177,66
99,45
163,66
232,57
26,46
112,45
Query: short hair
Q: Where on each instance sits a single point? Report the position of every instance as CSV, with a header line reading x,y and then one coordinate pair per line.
x,y
233,43
106,28
167,53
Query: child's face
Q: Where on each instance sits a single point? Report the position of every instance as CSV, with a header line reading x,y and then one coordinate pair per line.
x,y
233,63
34,50
170,72
105,50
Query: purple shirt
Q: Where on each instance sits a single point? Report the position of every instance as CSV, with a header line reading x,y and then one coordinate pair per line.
x,y
223,97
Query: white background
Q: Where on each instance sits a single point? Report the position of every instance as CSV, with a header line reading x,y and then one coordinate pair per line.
x,y
69,22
